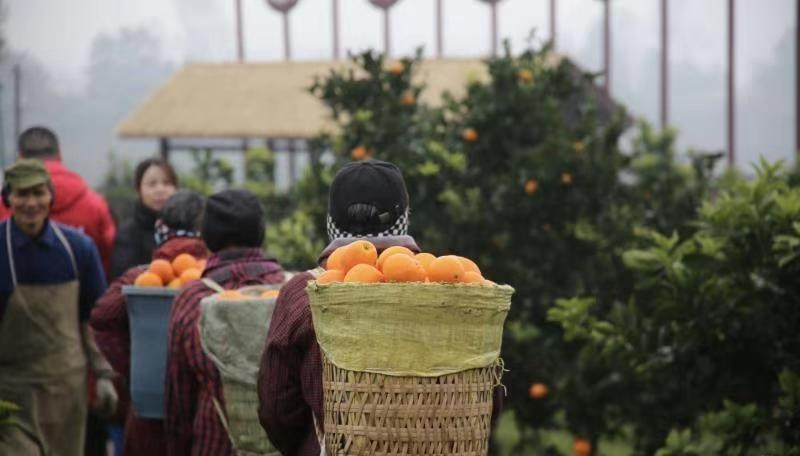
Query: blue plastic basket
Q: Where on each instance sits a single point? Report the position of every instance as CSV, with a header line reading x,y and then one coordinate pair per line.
x,y
148,313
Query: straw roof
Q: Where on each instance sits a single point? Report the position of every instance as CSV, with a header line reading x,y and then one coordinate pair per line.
x,y
262,100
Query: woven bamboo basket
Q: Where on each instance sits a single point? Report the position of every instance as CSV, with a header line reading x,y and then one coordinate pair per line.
x,y
409,369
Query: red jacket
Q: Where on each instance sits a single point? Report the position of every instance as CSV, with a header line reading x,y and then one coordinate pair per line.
x,y
111,332
80,207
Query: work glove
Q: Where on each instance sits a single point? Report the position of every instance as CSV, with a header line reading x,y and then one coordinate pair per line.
x,y
107,399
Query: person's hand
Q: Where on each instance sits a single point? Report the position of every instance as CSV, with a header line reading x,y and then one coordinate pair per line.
x,y
106,404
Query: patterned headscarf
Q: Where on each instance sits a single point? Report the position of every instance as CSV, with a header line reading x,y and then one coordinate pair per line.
x,y
399,228
164,233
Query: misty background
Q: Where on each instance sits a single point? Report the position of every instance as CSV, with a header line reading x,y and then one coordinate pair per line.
x,y
86,64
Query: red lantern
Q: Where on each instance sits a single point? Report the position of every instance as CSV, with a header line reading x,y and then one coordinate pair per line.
x,y
385,4
282,5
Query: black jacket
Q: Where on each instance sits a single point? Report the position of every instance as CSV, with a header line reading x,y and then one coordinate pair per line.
x,y
135,240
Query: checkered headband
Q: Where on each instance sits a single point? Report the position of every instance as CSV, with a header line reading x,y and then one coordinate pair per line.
x,y
399,228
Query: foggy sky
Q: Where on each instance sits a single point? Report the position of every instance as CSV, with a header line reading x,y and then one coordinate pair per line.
x,y
59,35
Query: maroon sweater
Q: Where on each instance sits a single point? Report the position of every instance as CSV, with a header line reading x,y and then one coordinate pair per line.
x,y
290,378
193,382
111,330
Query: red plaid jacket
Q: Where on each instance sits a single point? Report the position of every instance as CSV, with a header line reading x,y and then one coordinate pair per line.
x,y
193,382
109,322
290,377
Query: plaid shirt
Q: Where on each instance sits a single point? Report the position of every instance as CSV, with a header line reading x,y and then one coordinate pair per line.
x,y
110,324
193,382
290,377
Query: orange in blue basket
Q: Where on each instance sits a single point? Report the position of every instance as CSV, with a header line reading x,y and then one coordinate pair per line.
x,y
148,279
183,262
191,275
163,269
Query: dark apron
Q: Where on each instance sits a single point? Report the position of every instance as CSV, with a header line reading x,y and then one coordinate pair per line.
x,y
43,365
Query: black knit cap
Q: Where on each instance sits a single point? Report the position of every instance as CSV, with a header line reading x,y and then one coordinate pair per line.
x,y
233,218
374,182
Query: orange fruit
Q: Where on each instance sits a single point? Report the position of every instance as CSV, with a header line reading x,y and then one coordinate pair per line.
x,y
538,391
163,269
190,275
581,447
269,294
359,252
201,264
531,186
358,153
425,259
469,135
231,294
472,277
397,68
408,98
175,283
446,269
525,75
403,268
335,260
566,178
148,279
469,265
331,275
183,262
364,273
394,250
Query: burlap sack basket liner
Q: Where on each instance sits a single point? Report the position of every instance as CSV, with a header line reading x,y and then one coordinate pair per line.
x,y
409,329
232,334
409,369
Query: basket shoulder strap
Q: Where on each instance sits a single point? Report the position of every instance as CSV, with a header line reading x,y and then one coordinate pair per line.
x,y
316,272
212,284
222,418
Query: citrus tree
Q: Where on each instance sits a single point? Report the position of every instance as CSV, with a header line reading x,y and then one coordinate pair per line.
x,y
704,352
525,173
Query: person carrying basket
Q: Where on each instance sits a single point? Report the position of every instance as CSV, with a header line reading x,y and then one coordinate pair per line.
x,y
368,200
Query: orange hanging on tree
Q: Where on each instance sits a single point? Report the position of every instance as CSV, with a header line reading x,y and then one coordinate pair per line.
x,y
531,186
469,135
397,68
408,98
538,391
581,447
358,153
